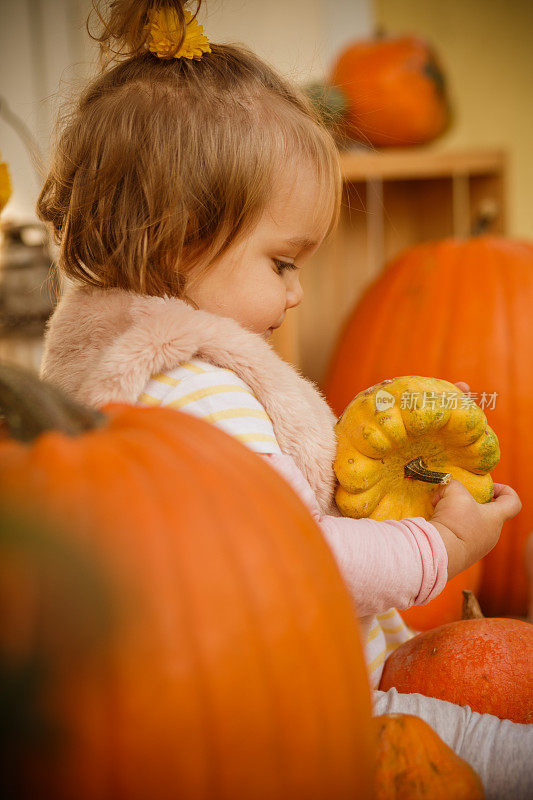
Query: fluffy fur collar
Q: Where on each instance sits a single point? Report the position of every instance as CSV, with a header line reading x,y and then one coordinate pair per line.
x,y
103,345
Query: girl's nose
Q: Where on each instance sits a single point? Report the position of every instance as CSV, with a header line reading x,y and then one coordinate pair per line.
x,y
294,292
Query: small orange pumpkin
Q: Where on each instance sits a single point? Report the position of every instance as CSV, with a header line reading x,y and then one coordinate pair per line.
x,y
395,91
484,663
234,667
415,764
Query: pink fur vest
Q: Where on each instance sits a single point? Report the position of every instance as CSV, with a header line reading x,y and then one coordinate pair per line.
x,y
103,345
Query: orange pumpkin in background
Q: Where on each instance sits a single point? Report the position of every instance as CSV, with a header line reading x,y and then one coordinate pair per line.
x,y
232,667
484,663
460,310
394,90
446,607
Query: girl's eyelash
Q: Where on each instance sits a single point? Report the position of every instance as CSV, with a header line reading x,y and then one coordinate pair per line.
x,y
282,265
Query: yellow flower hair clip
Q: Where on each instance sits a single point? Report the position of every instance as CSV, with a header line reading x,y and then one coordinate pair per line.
x,y
165,30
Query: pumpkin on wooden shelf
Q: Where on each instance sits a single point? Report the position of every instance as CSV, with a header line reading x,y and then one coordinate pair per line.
x,y
395,91
414,763
234,667
460,309
484,663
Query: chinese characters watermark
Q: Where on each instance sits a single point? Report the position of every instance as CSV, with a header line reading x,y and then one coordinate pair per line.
x,y
417,401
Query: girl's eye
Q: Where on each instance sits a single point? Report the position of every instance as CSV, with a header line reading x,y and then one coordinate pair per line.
x,y
283,265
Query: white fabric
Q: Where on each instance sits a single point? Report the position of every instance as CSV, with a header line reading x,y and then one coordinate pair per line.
x,y
500,751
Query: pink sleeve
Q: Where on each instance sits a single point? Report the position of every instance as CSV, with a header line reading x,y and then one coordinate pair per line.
x,y
385,564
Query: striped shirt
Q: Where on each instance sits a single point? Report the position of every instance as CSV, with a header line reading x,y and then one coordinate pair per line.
x,y
387,632
219,396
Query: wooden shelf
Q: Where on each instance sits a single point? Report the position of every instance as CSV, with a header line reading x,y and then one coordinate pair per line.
x,y
402,164
392,200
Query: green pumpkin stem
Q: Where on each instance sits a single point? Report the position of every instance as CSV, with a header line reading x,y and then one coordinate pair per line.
x,y
330,102
30,407
417,469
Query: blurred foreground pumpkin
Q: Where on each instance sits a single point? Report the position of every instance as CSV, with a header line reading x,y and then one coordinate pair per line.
x,y
485,663
415,764
461,310
394,89
56,617
233,667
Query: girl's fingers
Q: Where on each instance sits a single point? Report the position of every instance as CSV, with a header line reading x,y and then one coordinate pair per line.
x,y
464,387
502,488
507,501
437,496
452,487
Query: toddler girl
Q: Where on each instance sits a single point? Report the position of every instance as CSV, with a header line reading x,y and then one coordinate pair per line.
x,y
188,189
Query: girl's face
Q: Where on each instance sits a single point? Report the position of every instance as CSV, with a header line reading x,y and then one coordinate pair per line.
x,y
256,281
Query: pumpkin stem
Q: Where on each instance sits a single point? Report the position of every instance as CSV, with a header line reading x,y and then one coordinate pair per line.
x,y
418,470
471,609
488,212
29,407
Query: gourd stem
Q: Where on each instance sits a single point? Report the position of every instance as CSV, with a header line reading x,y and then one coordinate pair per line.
x,y
471,609
482,225
29,407
418,470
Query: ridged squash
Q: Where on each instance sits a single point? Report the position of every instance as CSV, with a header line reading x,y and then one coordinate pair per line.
x,y
398,439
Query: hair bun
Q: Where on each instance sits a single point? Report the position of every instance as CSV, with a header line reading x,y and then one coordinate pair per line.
x,y
124,24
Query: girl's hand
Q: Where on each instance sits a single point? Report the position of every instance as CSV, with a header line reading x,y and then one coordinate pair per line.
x,y
464,387
470,529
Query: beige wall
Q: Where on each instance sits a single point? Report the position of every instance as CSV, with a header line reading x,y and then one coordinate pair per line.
x,y
298,36
41,47
487,49
43,43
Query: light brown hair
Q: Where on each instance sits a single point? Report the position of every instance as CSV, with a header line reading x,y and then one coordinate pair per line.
x,y
161,164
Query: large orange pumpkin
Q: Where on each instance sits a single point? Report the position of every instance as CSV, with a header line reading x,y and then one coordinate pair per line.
x,y
483,663
233,668
460,310
394,89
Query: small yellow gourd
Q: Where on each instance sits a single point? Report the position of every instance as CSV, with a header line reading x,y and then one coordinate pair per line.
x,y
5,184
399,439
